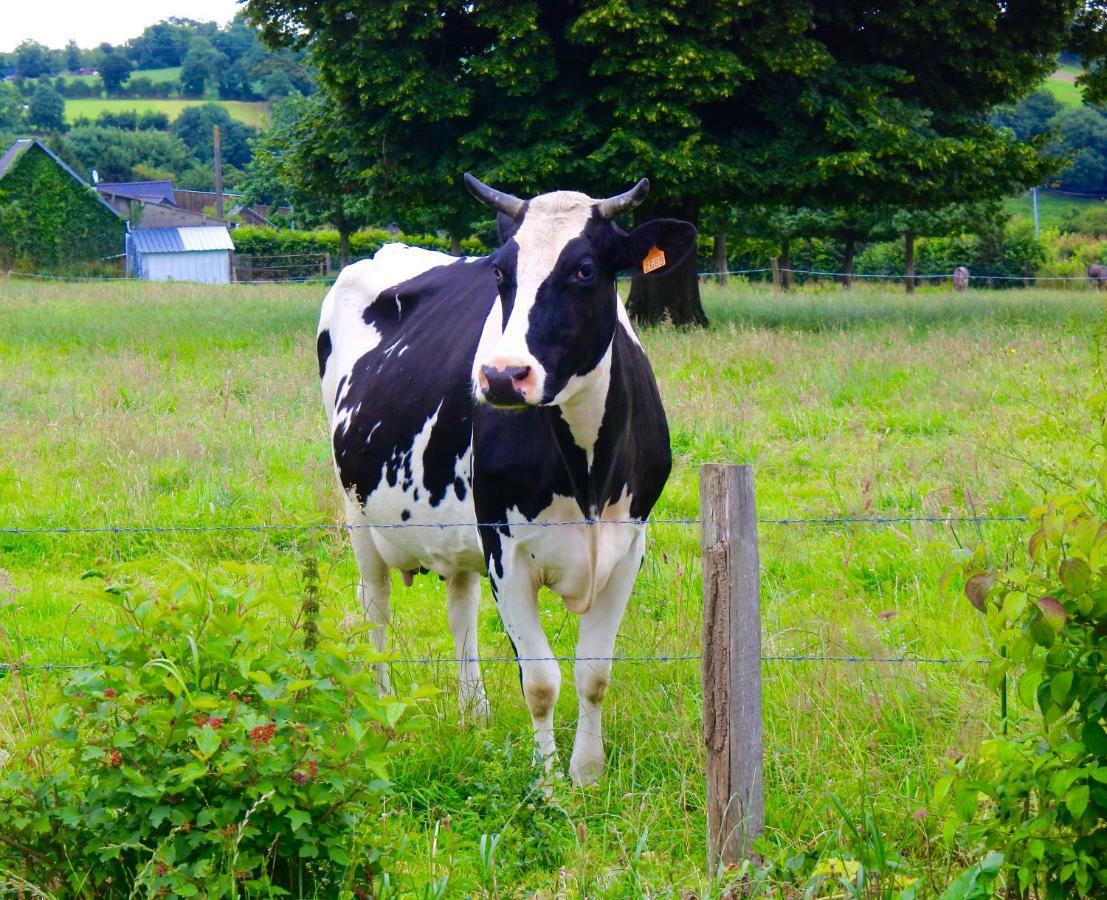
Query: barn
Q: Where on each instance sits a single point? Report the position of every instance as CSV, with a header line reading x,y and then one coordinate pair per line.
x,y
196,253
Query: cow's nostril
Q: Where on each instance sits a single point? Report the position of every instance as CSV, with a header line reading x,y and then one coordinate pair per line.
x,y
518,373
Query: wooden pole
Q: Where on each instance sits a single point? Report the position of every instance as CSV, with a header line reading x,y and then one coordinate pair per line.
x,y
731,664
218,158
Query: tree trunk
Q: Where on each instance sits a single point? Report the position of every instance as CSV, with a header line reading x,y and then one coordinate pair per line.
x,y
909,260
786,264
721,262
343,246
673,294
455,245
847,262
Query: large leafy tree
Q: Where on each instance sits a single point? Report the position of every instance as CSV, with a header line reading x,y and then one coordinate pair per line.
x,y
791,102
305,160
115,68
46,110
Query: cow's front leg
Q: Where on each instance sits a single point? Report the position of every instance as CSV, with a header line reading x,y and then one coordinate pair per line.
x,y
598,628
516,593
462,605
374,592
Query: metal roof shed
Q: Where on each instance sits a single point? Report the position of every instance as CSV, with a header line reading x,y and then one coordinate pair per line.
x,y
197,253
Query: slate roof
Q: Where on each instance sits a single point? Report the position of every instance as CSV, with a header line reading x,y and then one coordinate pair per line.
x,y
20,146
181,240
146,191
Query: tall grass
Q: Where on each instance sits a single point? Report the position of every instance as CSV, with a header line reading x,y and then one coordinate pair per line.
x,y
143,403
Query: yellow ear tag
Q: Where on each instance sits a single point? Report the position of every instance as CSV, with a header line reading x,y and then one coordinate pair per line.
x,y
655,259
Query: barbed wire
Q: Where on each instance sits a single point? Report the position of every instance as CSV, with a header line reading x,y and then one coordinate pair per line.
x,y
338,526
658,658
819,273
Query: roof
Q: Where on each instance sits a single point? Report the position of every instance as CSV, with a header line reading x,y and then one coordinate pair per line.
x,y
149,191
17,149
181,240
12,154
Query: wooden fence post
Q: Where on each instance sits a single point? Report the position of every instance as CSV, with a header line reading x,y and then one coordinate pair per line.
x,y
731,664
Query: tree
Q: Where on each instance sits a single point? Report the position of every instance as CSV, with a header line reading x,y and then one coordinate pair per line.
x,y
1082,135
115,68
46,111
202,64
11,107
791,102
306,159
116,153
72,56
1030,117
32,60
194,127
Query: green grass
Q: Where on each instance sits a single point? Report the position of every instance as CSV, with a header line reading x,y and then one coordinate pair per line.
x,y
251,113
1062,84
157,76
1052,208
139,403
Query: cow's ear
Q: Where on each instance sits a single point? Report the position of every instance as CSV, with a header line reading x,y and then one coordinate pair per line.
x,y
658,246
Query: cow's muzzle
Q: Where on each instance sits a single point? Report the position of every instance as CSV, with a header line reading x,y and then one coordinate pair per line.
x,y
506,386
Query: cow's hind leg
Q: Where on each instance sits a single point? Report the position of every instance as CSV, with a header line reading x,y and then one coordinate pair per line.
x,y
598,629
462,605
374,591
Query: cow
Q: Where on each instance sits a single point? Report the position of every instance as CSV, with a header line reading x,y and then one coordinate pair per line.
x,y
503,409
1097,275
960,278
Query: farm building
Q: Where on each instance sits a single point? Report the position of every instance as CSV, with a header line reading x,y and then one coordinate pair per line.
x,y
202,253
50,218
151,204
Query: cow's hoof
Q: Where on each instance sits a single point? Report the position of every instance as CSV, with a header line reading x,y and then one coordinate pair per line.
x,y
586,768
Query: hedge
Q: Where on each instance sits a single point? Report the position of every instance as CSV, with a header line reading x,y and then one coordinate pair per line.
x,y
278,242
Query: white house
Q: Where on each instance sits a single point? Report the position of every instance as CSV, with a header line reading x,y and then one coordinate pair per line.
x,y
195,253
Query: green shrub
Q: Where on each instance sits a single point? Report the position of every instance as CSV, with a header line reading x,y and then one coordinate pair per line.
x,y
206,753
1040,796
278,242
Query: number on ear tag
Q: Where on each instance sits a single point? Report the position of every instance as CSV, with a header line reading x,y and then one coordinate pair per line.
x,y
655,259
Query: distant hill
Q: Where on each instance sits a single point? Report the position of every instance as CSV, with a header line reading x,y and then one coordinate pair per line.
x,y
254,114
1062,85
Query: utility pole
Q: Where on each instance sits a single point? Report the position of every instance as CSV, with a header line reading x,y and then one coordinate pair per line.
x,y
218,172
1034,195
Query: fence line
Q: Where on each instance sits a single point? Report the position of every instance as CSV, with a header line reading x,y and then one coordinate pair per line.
x,y
819,273
322,526
659,658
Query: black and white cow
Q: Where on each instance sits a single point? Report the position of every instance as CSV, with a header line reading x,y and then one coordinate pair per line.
x,y
505,389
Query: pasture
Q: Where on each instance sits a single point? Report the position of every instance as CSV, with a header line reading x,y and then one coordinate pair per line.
x,y
251,113
142,404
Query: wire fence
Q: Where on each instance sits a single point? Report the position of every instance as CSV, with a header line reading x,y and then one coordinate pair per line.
x,y
873,520
262,276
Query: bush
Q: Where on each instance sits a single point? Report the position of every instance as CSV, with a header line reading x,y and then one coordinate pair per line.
x,y
276,242
203,754
1040,797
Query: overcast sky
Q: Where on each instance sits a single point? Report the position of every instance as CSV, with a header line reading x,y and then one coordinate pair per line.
x,y
90,23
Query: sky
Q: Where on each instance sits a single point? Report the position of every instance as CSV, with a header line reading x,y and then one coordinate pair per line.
x,y
90,23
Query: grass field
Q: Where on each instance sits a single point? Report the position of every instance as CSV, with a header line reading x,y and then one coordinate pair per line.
x,y
251,113
142,404
1062,84
1052,208
157,76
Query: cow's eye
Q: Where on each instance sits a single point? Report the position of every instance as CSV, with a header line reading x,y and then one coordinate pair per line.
x,y
498,272
585,272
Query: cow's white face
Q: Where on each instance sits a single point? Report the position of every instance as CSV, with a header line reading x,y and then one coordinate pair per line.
x,y
556,277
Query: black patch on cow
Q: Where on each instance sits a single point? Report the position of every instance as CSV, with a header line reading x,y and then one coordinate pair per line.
x,y
430,326
323,350
405,515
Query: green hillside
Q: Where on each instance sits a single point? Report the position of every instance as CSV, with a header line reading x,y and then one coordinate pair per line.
x,y
157,76
1062,84
255,114
1052,208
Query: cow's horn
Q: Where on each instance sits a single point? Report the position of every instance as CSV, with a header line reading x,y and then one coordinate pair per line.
x,y
498,200
620,203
